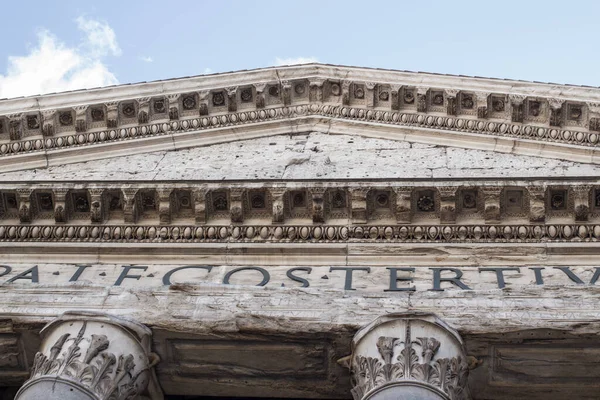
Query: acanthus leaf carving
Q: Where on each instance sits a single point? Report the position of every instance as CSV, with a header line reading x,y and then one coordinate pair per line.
x,y
358,202
370,96
555,102
164,205
80,119
199,198
173,102
593,107
318,205
173,113
449,375
403,209
556,111
48,122
537,208
409,361
346,92
203,108
60,213
517,104
278,205
451,101
395,89
105,373
143,117
96,206
231,98
112,114
143,110
491,198
316,90
482,104
260,94
422,99
236,208
447,204
286,89
15,127
582,202
24,204
129,205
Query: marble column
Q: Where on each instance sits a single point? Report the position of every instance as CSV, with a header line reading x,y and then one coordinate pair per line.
x,y
93,356
408,356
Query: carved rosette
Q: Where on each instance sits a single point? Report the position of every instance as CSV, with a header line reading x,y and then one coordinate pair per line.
x,y
93,357
408,356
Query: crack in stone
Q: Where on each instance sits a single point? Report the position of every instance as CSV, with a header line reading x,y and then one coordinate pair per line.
x,y
157,166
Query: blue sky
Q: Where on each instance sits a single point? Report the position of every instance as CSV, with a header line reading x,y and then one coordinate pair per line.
x,y
62,45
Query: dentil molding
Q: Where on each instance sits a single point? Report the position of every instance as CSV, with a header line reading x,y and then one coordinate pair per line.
x,y
546,120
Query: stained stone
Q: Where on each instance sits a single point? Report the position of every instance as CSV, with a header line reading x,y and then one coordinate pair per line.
x,y
286,158
254,236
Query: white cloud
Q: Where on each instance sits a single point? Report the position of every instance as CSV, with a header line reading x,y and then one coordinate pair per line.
x,y
100,38
146,59
292,61
207,71
52,66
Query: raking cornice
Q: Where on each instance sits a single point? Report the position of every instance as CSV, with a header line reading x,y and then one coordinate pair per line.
x,y
547,120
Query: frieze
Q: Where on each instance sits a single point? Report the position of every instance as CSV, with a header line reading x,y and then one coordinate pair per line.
x,y
393,203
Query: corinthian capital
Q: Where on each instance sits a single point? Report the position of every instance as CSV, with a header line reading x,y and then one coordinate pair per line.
x,y
409,355
92,356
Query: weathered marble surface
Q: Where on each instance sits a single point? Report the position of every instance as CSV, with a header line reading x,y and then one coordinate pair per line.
x,y
525,341
310,156
196,326
558,304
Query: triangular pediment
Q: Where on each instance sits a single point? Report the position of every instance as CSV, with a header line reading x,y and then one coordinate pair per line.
x,y
226,235
551,121
310,156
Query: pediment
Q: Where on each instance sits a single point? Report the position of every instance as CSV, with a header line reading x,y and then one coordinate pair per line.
x,y
557,122
311,156
342,194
